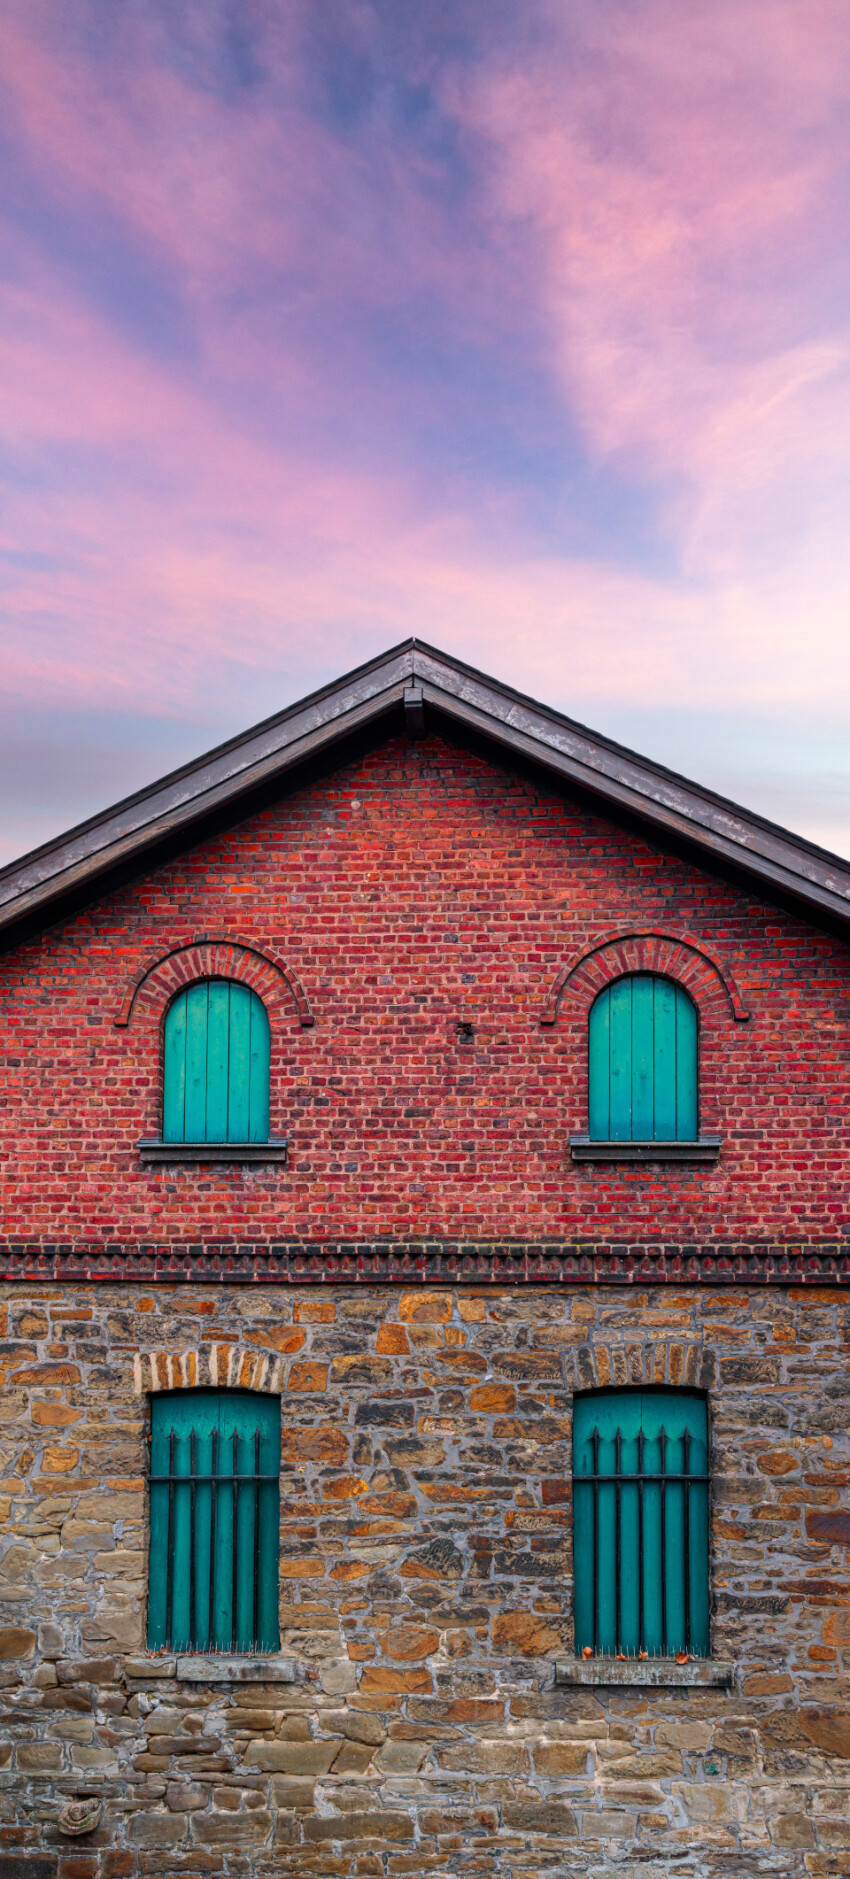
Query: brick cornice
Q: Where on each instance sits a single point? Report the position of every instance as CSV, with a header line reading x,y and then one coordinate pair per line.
x,y
427,1262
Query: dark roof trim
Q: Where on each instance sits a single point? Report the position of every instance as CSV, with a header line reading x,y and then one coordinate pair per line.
x,y
770,856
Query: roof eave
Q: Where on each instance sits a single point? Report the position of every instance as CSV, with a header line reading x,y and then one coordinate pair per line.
x,y
618,777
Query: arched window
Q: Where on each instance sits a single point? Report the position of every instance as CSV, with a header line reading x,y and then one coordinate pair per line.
x,y
640,1522
642,1066
216,1065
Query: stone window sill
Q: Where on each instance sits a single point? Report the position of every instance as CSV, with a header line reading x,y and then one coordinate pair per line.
x,y
654,1673
705,1148
217,1668
153,1149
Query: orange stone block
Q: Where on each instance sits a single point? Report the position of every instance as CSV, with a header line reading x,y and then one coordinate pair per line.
x,y
284,1340
393,1341
315,1311
378,1679
54,1415
408,1642
524,1634
345,1487
490,1397
59,1460
778,1461
425,1307
307,1375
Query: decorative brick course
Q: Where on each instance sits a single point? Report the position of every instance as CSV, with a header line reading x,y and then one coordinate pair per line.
x,y
426,1577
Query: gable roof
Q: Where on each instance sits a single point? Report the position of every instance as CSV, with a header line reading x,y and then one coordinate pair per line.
x,y
414,678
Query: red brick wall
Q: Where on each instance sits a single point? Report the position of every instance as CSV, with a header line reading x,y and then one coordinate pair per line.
x,y
420,886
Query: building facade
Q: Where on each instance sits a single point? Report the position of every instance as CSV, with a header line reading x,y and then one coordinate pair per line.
x,y
425,1269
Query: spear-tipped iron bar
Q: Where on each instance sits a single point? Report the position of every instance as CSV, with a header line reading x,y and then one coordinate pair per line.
x,y
663,1543
213,1513
256,1538
193,1637
595,1477
618,1451
169,1570
234,1563
686,1535
641,1639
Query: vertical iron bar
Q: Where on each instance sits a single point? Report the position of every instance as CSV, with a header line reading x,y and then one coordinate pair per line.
x,y
169,1570
663,1493
618,1447
193,1640
256,1539
641,1642
213,1511
235,1547
595,1441
686,1495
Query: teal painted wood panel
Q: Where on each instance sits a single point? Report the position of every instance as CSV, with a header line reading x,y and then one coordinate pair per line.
x,y
197,1009
260,1052
206,1602
218,1055
665,1005
686,1068
620,1066
655,1613
599,1069
174,1073
242,1001
642,1062
216,1063
643,1058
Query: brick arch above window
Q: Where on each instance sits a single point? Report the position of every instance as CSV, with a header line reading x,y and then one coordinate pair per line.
x,y
649,949
158,982
208,1366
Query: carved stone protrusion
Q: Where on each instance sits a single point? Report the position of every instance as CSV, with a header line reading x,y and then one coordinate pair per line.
x,y
80,1817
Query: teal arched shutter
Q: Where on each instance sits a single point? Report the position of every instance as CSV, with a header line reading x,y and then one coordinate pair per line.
x,y
640,1522
216,1065
642,1062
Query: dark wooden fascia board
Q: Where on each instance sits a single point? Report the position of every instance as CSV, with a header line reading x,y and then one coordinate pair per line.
x,y
188,798
657,796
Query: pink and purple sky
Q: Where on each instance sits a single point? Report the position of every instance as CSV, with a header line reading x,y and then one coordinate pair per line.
x,y
521,326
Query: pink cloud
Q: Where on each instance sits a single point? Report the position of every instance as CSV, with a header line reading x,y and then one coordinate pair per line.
x,y
648,205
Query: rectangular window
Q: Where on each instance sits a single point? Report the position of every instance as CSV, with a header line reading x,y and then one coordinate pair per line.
x,y
214,1525
640,1523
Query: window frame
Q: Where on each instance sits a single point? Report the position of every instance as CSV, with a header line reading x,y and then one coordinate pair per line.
x,y
158,1148
160,1603
657,1662
702,1147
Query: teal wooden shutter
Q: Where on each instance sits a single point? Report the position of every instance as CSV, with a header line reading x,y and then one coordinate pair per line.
x,y
642,1062
214,1522
216,1053
640,1522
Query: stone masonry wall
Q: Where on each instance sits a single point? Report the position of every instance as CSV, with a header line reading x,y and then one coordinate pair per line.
x,y
417,890
425,1592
